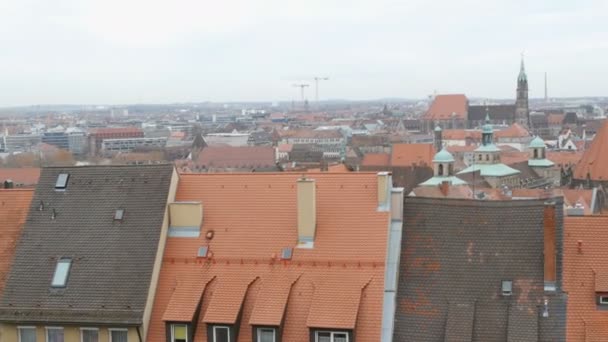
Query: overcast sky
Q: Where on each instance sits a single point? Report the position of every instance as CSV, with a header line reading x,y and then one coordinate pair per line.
x,y
157,51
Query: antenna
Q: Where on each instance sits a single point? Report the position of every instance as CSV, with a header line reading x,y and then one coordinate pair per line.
x,y
546,96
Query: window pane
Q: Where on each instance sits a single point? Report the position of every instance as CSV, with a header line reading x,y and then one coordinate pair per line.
x,y
339,337
220,334
27,334
265,335
61,272
54,335
323,337
118,336
90,335
179,333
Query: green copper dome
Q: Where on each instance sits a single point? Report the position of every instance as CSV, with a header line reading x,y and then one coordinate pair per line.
x,y
537,142
437,129
443,156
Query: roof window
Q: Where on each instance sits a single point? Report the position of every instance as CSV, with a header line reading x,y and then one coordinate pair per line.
x,y
62,181
119,214
286,253
507,287
203,251
62,271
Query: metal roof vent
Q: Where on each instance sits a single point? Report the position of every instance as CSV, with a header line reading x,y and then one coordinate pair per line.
x,y
62,181
203,251
287,253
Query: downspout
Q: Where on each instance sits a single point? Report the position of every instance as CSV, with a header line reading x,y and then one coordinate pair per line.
x,y
139,334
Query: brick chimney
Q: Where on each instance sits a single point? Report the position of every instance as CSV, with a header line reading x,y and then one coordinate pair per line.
x,y
444,187
307,211
549,246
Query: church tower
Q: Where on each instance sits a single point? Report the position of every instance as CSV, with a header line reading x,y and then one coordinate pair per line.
x,y
522,114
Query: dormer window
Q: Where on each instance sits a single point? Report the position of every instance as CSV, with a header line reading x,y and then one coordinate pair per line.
x,y
331,336
62,270
62,181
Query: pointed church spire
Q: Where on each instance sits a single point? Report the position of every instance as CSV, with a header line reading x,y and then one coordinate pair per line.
x,y
522,70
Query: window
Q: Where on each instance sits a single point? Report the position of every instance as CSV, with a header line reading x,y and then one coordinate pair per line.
x,y
440,171
119,214
62,271
603,300
118,335
62,181
266,334
179,333
89,335
221,334
507,287
203,251
331,336
286,253
54,334
26,334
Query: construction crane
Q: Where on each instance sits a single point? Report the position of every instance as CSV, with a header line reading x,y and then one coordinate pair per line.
x,y
301,86
317,79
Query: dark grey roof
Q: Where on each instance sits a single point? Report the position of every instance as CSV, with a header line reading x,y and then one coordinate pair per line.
x,y
496,112
112,261
454,256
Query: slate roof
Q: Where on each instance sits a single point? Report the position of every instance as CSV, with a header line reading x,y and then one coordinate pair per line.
x,y
496,112
337,284
582,269
14,206
456,252
112,261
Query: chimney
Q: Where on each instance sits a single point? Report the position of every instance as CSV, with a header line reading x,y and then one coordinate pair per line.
x,y
549,246
307,211
8,184
444,187
384,180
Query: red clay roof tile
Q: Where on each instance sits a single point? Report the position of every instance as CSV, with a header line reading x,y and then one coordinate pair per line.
x,y
412,155
15,205
444,105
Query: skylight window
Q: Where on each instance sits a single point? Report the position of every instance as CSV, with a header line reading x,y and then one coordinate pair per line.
x,y
62,270
62,181
119,214
286,253
203,251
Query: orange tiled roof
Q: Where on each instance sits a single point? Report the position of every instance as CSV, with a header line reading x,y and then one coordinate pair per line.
x,y
514,131
236,157
24,176
412,154
253,217
444,105
15,204
116,130
594,161
555,119
582,270
564,157
376,159
336,168
460,134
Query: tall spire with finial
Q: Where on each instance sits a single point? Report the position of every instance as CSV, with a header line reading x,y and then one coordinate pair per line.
x,y
522,115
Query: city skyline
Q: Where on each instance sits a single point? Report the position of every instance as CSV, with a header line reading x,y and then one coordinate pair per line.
x,y
112,52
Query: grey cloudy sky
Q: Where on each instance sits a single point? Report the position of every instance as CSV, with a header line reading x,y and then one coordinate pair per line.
x,y
153,51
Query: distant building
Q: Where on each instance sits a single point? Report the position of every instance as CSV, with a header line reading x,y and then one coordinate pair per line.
x,y
130,144
227,139
98,135
21,142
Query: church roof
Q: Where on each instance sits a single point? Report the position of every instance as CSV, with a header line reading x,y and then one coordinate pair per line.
x,y
487,148
491,170
594,161
522,77
447,107
437,180
443,156
540,163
